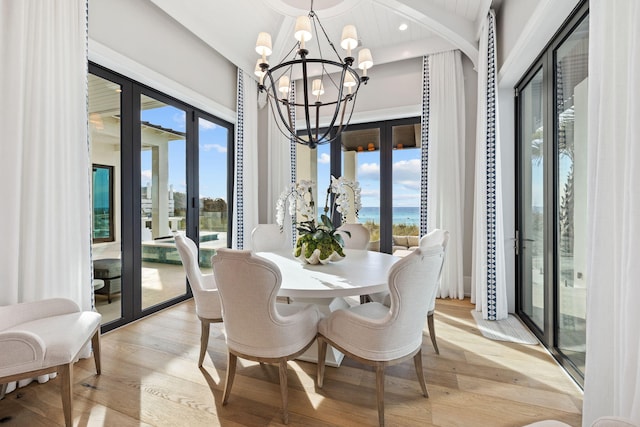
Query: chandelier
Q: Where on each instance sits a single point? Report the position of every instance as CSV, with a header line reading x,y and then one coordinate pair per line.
x,y
315,74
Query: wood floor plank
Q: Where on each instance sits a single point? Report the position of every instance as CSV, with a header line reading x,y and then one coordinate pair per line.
x,y
151,378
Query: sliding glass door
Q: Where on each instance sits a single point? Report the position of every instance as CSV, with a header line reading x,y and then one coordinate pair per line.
x,y
105,133
160,167
215,139
551,235
570,65
163,160
531,235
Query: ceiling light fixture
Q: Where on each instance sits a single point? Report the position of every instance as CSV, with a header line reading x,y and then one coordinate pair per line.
x,y
337,78
403,26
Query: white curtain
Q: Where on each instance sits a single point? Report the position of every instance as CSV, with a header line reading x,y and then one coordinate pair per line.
x,y
612,373
44,166
246,165
281,164
446,163
279,169
488,276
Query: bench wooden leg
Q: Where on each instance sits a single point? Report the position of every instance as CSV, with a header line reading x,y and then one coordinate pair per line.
x,y
95,343
66,390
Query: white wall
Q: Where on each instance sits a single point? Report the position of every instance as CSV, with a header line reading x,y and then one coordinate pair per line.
x,y
511,19
394,91
137,39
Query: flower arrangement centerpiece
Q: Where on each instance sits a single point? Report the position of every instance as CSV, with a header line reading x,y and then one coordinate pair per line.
x,y
318,241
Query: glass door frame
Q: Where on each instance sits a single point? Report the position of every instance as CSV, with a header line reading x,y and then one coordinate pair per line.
x,y
546,335
130,191
546,62
386,170
193,181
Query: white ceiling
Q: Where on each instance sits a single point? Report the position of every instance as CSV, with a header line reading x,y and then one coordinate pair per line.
x,y
232,27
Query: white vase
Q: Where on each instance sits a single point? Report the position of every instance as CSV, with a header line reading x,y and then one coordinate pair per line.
x,y
315,257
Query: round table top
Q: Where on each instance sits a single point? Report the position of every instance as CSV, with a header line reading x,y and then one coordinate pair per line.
x,y
361,272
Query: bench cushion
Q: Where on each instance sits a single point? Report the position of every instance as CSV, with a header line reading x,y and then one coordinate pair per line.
x,y
107,268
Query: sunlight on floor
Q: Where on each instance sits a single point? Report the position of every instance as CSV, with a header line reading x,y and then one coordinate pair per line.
x,y
151,279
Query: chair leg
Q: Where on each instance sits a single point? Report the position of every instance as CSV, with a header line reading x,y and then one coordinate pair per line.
x,y
322,355
204,340
107,287
95,344
232,359
380,392
284,392
66,390
432,331
417,361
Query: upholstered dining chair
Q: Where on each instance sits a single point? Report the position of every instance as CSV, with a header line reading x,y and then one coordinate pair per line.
x,y
205,291
358,237
256,327
436,237
269,237
43,337
605,421
377,335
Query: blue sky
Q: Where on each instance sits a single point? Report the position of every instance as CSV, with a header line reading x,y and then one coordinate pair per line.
x,y
213,163
213,153
406,176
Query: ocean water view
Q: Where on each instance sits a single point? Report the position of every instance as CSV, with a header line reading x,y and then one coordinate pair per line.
x,y
401,215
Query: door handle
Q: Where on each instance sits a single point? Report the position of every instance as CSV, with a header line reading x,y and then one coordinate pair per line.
x,y
517,240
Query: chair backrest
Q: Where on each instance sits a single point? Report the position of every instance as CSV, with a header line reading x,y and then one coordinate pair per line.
x,y
189,255
436,238
248,286
613,422
359,238
411,281
269,237
204,289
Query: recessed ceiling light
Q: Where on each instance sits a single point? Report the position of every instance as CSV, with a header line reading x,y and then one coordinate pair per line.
x,y
403,27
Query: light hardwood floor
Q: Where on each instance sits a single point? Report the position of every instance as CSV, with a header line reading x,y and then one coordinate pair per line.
x,y
150,377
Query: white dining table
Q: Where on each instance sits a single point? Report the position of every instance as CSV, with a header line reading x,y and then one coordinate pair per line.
x,y
361,272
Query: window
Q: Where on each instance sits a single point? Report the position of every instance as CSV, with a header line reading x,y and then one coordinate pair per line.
x,y
384,157
102,196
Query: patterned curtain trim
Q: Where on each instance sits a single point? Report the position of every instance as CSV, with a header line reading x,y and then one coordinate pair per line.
x,y
239,202
491,172
89,178
293,155
424,138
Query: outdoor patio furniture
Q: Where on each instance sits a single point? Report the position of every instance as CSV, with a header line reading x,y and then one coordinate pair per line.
x,y
109,270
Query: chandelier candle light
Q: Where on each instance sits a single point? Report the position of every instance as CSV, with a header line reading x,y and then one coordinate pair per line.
x,y
337,74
